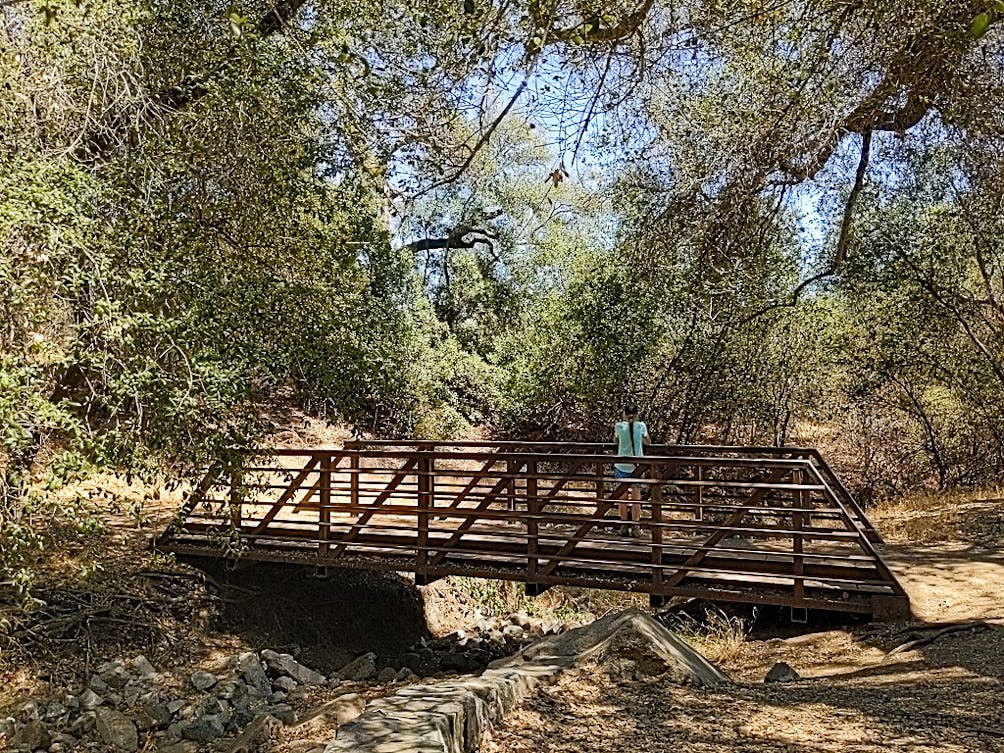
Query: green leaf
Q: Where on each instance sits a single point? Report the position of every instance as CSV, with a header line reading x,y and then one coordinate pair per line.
x,y
469,7
980,25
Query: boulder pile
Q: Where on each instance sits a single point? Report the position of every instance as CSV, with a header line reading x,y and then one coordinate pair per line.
x,y
126,705
126,702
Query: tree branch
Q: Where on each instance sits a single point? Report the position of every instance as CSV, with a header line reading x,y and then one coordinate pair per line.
x,y
859,179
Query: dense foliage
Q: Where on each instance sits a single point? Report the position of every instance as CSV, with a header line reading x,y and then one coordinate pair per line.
x,y
765,222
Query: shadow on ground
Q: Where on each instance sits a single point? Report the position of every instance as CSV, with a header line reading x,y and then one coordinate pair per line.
x,y
326,621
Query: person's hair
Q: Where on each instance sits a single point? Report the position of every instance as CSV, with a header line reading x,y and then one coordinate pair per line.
x,y
630,409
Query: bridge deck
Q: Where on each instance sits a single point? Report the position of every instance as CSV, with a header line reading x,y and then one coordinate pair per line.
x,y
752,525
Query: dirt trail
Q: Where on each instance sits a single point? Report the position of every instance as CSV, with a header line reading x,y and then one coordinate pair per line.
x,y
945,696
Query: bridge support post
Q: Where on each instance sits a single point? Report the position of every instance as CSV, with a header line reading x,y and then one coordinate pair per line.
x,y
236,493
324,510
425,492
655,499
532,532
797,544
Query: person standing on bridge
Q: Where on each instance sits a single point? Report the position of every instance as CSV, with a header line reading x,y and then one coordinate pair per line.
x,y
630,435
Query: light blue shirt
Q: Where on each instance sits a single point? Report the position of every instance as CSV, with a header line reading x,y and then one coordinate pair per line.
x,y
628,444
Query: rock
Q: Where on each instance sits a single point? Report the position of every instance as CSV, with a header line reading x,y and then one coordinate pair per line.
x,y
458,662
204,729
28,712
83,724
32,736
153,714
68,742
406,675
284,664
54,710
284,683
131,694
71,702
495,636
264,729
115,674
513,633
181,746
630,642
283,712
175,706
7,727
387,674
249,665
520,618
227,689
359,669
277,697
334,713
782,672
116,730
202,680
97,684
143,667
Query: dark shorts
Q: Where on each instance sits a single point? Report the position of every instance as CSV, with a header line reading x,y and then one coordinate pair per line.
x,y
618,473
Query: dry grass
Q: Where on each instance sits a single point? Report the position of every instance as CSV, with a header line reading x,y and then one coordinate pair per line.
x,y
972,516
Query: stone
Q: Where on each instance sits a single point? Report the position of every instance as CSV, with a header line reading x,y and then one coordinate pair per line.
x,y
131,694
7,727
630,642
143,667
520,618
202,680
28,712
513,633
277,697
153,714
204,729
253,673
83,724
387,674
359,669
406,675
284,664
181,746
249,665
175,706
332,714
116,730
31,736
782,672
97,684
54,710
67,741
462,662
114,674
283,712
262,730
284,683
495,636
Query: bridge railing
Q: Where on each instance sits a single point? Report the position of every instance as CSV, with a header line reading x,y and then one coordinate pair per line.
x,y
810,454
731,526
